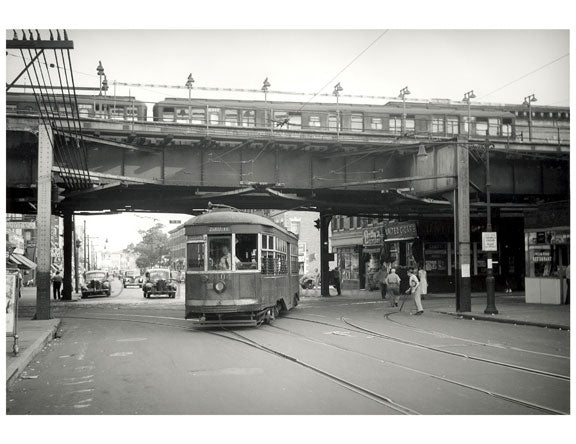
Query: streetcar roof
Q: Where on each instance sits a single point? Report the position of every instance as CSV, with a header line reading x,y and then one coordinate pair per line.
x,y
229,217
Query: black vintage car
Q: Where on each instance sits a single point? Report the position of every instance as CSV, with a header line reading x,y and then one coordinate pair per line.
x,y
133,277
158,282
96,283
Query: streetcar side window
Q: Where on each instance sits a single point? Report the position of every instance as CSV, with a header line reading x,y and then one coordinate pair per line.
x,y
267,254
195,256
247,251
220,252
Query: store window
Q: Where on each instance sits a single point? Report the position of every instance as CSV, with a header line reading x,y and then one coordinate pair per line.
x,y
348,262
547,252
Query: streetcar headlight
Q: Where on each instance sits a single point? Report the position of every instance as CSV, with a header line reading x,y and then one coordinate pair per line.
x,y
219,287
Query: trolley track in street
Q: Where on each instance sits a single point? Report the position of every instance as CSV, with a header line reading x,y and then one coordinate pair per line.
x,y
362,391
359,329
431,375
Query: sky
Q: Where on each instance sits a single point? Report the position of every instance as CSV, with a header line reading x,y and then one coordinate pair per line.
x,y
504,51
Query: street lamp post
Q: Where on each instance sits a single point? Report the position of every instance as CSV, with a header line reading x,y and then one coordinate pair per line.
x,y
467,97
403,93
100,72
336,92
190,85
528,101
483,151
265,88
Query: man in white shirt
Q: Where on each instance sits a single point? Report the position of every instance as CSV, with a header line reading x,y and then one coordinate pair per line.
x,y
226,259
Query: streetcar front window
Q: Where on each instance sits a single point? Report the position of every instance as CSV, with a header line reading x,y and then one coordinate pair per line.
x,y
195,255
220,252
247,251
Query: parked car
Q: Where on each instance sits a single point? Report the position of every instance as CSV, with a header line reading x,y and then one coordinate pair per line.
x,y
158,281
96,283
133,277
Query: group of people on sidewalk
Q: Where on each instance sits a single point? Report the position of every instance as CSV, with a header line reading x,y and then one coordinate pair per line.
x,y
389,282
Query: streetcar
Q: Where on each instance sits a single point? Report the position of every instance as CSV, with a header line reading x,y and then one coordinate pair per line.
x,y
241,269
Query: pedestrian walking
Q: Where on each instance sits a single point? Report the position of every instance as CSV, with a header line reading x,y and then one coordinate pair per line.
x,y
423,278
381,279
56,284
393,287
415,291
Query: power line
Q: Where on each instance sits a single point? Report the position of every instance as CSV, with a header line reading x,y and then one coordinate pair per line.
x,y
526,75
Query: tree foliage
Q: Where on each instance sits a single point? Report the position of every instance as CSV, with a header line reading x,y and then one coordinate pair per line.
x,y
152,250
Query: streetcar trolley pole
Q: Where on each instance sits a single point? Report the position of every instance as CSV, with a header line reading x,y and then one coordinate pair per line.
x,y
12,295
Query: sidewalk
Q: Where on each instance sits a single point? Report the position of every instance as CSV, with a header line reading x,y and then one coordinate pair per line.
x,y
511,307
32,337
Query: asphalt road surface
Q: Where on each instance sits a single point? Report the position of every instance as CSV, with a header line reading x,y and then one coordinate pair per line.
x,y
129,355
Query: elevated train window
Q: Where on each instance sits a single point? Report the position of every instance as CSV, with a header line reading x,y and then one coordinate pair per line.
x,y
314,121
198,116
481,127
231,117
494,127
182,115
395,124
11,108
168,114
437,124
117,113
131,112
410,123
332,122
452,125
195,255
249,118
288,120
376,123
506,129
84,110
356,122
214,116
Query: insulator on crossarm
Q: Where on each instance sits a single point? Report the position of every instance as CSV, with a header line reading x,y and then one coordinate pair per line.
x,y
51,35
58,35
15,37
31,35
38,35
24,35
65,35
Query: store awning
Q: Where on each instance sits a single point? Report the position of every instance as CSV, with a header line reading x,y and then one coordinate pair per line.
x,y
22,260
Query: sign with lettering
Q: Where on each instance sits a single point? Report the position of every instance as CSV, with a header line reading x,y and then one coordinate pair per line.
x,y
218,229
489,241
21,225
401,231
372,237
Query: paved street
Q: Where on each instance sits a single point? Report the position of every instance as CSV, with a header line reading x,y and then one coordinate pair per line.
x,y
130,355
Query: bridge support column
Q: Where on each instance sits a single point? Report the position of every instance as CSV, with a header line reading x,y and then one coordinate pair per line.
x,y
68,241
324,259
44,204
462,231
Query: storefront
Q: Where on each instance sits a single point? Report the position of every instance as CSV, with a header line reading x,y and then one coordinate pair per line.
x,y
547,240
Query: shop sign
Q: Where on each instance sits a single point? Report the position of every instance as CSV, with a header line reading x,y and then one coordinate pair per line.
x,y
489,241
372,237
21,225
542,256
401,231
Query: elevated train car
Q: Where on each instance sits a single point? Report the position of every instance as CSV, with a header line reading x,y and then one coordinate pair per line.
x,y
242,269
441,118
89,106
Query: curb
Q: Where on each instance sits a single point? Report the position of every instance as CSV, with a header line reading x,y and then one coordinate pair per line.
x,y
504,320
14,370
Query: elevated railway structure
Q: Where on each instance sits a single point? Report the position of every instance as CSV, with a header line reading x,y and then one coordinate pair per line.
x,y
65,161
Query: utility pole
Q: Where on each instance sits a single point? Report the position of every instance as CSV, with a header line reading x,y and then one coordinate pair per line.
x,y
75,250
